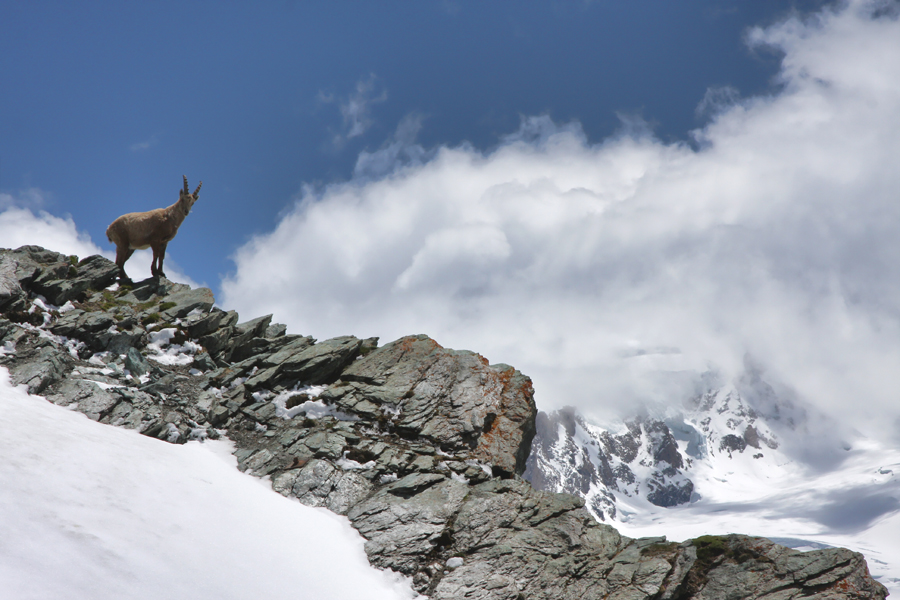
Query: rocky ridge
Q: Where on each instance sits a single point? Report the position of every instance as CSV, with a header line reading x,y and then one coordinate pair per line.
x,y
421,447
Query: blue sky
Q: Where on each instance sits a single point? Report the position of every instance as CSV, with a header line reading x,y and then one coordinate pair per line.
x,y
625,200
106,104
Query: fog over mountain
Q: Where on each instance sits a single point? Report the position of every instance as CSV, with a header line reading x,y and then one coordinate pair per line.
x,y
616,273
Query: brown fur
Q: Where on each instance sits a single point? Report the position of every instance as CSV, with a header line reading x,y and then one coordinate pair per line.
x,y
153,229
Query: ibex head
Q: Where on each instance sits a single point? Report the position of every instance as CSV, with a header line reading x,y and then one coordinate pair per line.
x,y
187,199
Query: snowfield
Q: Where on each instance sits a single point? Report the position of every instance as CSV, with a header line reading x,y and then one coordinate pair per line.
x,y
856,506
89,511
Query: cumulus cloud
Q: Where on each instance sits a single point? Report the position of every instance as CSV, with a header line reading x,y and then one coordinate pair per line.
x,y
615,273
21,224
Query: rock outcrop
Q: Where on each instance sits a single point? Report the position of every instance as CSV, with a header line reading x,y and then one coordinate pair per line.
x,y
421,447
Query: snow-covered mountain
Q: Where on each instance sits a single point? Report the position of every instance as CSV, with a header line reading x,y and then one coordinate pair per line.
x,y
648,459
739,455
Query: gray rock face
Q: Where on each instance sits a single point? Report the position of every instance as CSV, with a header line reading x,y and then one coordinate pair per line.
x,y
41,368
10,290
420,446
92,399
453,398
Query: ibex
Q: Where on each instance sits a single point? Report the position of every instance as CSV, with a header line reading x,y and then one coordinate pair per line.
x,y
153,229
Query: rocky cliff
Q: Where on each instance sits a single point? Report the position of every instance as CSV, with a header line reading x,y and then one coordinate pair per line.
x,y
421,447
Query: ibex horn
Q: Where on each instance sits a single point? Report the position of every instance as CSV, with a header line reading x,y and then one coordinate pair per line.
x,y
198,189
185,184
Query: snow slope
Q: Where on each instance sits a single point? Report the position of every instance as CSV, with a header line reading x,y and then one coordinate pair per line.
x,y
89,511
855,506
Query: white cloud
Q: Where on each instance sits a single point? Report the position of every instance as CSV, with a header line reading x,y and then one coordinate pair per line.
x,y
20,226
32,198
717,99
356,108
584,265
401,149
153,140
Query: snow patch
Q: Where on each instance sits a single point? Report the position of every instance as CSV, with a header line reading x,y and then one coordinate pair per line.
x,y
163,351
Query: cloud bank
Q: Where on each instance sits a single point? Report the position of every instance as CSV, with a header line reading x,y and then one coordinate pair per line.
x,y
614,273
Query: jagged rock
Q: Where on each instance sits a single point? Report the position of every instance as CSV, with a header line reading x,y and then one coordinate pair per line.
x,y
519,542
144,290
737,566
6,329
315,364
289,346
204,325
244,332
119,341
254,327
368,345
99,271
216,342
275,330
80,324
451,397
204,362
252,347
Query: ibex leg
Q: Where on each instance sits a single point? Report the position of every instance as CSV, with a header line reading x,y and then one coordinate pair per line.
x,y
123,253
159,254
